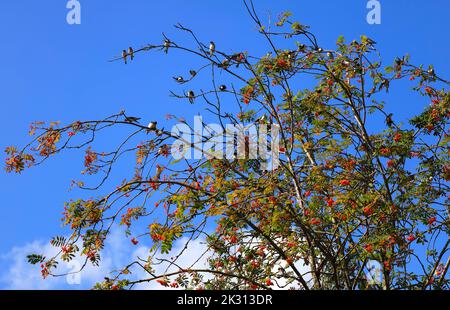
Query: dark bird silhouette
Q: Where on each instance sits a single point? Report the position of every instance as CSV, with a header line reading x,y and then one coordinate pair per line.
x,y
166,45
389,121
225,63
212,48
124,56
399,63
222,87
152,125
131,53
179,79
301,48
370,41
132,119
191,96
384,84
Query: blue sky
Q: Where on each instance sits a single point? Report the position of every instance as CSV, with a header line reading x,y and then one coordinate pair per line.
x,y
55,71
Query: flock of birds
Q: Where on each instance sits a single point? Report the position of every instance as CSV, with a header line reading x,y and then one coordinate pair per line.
x,y
129,54
190,95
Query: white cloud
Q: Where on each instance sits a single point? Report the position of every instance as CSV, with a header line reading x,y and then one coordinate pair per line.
x,y
191,257
17,273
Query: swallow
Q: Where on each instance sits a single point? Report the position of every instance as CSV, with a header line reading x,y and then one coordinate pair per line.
x,y
385,83
319,50
431,71
330,55
301,48
162,149
131,53
159,170
152,125
235,56
191,96
212,48
389,121
222,87
355,43
166,45
192,73
124,56
370,41
179,79
225,63
132,119
398,64
238,58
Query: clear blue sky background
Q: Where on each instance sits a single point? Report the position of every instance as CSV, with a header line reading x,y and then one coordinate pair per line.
x,y
54,71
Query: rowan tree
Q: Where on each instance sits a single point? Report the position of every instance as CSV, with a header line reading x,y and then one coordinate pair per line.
x,y
354,184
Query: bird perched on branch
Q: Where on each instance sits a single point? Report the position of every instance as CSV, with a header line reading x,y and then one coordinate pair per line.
x,y
159,170
225,63
191,96
166,45
179,79
152,126
131,53
389,121
370,41
301,48
131,119
384,84
192,73
399,62
222,87
212,48
237,58
124,56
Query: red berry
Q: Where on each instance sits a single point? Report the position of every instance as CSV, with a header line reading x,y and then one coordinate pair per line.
x,y
345,182
315,221
368,248
411,238
431,220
